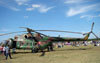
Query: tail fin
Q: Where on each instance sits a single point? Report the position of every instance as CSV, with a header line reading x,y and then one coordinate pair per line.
x,y
87,36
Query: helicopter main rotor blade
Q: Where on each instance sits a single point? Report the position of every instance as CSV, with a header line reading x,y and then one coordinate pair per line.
x,y
92,26
41,34
31,30
11,33
28,29
60,31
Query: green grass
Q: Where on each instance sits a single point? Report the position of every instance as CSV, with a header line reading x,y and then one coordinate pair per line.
x,y
67,54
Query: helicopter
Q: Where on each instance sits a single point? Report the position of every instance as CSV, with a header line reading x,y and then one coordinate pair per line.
x,y
37,41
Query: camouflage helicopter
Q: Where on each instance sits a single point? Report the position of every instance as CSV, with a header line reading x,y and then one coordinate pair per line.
x,y
38,41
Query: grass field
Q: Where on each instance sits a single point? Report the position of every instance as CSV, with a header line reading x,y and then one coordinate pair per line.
x,y
67,54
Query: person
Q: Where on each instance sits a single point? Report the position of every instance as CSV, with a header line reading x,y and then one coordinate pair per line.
x,y
50,47
7,48
95,43
98,44
4,51
1,49
14,44
85,43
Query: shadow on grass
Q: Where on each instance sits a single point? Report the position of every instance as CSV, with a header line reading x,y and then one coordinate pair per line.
x,y
43,53
22,53
72,49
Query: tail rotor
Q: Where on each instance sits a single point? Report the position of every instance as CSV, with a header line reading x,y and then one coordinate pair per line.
x,y
91,31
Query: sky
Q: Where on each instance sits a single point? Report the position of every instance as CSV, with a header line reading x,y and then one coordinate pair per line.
x,y
67,15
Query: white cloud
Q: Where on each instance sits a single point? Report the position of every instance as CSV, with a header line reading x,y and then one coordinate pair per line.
x,y
45,9
40,8
82,16
25,16
4,30
89,16
14,8
99,15
21,2
73,12
29,9
86,16
72,1
36,5
79,10
7,5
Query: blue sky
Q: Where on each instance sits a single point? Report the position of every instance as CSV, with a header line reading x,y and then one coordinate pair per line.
x,y
69,15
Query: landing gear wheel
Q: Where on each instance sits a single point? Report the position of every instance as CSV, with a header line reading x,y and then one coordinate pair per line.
x,y
35,50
